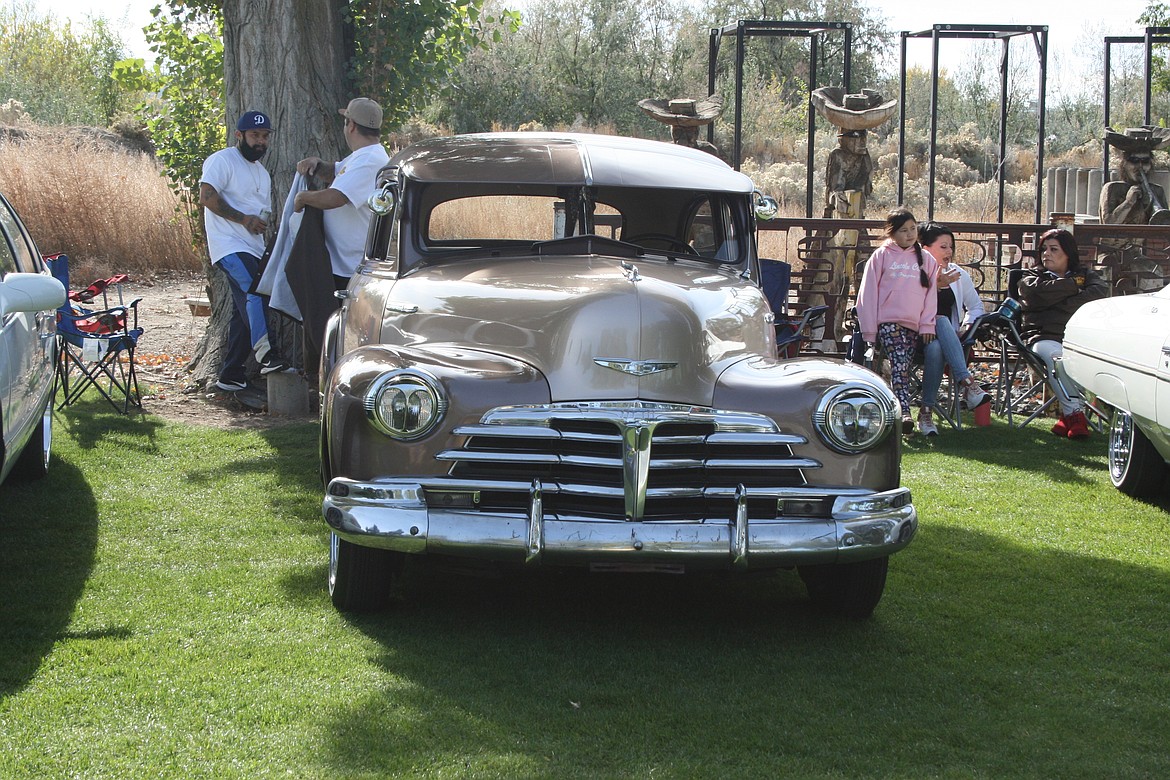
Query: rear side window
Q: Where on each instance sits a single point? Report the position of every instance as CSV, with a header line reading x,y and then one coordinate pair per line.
x,y
490,218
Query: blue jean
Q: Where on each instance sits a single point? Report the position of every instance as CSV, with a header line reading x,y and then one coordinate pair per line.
x,y
945,350
249,323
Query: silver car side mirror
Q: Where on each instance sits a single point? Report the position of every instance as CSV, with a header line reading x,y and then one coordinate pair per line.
x,y
383,201
765,205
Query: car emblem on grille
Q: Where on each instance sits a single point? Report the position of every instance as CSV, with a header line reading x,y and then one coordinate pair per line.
x,y
636,367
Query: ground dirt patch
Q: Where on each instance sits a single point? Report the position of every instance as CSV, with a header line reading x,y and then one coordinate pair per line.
x,y
170,336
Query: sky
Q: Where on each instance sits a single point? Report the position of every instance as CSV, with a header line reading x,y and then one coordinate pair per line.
x,y
1073,25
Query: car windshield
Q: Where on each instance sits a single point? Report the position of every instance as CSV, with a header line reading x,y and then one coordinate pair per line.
x,y
660,222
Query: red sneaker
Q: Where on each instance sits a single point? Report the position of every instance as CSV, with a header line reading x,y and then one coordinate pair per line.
x,y
1078,426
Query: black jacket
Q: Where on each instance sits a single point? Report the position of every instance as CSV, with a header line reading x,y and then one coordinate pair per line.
x,y
1047,301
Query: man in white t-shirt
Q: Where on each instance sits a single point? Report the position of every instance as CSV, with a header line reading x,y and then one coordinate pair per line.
x,y
351,182
235,191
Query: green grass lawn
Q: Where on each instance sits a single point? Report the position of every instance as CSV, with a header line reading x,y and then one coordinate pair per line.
x,y
164,614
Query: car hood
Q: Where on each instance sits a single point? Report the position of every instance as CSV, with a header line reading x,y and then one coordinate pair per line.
x,y
596,327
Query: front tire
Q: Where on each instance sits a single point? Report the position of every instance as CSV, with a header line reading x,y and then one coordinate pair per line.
x,y
1135,466
33,461
360,577
851,590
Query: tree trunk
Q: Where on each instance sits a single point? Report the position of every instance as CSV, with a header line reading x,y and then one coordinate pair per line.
x,y
287,58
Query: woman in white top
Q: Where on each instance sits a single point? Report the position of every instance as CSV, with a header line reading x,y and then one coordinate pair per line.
x,y
958,305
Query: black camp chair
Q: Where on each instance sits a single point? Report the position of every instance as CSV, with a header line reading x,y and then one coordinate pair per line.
x,y
792,332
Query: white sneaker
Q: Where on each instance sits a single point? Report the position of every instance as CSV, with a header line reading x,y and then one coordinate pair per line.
x,y
975,395
927,427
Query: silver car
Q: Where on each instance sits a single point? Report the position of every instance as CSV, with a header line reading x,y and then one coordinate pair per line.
x,y
29,297
556,353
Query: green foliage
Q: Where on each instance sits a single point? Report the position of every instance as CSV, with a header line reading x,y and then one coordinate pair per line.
x,y
589,63
1157,14
404,52
61,74
186,117
568,63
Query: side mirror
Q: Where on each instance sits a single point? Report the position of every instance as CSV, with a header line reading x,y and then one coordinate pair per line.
x,y
384,200
765,205
30,292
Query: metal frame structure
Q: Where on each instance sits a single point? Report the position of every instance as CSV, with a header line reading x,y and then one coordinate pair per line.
x,y
746,28
1039,34
1152,35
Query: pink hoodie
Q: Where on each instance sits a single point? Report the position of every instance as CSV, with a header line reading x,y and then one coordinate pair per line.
x,y
891,291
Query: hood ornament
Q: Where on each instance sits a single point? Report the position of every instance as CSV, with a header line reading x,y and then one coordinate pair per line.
x,y
636,367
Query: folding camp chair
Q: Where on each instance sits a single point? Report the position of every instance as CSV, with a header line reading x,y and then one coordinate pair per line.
x,y
791,331
96,345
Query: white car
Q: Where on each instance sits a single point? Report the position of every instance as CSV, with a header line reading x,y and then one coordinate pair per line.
x,y
1118,350
29,298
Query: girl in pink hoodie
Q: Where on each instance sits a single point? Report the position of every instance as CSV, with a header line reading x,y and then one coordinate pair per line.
x,y
898,301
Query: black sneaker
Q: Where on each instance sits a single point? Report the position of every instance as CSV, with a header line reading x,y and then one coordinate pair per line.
x,y
231,385
274,365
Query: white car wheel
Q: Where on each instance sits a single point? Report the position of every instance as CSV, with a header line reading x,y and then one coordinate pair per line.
x,y
1135,467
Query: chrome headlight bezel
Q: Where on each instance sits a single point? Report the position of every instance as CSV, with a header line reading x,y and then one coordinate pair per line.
x,y
840,409
405,404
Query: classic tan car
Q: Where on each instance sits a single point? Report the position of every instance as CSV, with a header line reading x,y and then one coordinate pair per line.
x,y
556,353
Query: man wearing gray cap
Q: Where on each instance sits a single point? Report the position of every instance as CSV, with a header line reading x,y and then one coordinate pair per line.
x,y
350,184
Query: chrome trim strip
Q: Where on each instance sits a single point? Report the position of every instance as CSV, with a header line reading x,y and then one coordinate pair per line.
x,y
496,456
636,367
636,467
1113,361
739,550
530,431
405,490
535,523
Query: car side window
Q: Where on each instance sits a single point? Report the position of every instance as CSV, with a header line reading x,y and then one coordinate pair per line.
x,y
25,257
712,232
7,261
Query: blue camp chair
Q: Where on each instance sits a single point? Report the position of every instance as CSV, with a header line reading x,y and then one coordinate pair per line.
x,y
96,345
791,332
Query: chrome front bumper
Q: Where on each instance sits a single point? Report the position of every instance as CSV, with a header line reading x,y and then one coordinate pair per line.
x,y
393,515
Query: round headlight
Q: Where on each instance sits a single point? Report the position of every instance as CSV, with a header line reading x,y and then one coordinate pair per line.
x,y
405,404
854,417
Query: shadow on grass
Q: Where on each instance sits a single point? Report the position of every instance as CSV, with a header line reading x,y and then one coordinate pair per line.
x,y
984,659
91,422
46,554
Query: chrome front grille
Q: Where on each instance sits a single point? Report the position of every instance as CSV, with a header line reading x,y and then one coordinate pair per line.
x,y
628,460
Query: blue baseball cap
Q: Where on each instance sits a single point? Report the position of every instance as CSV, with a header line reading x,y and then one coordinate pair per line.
x,y
254,120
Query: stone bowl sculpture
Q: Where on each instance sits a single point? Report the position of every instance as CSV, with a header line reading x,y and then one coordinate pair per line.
x,y
683,112
863,110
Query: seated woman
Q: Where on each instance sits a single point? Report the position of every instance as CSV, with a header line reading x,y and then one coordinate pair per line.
x,y
1048,299
958,302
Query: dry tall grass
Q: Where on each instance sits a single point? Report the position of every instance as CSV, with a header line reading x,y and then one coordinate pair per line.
x,y
110,210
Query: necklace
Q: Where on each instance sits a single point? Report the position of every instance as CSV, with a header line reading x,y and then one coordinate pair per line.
x,y
256,177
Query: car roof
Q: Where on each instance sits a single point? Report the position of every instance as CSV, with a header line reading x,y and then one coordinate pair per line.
x,y
568,159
